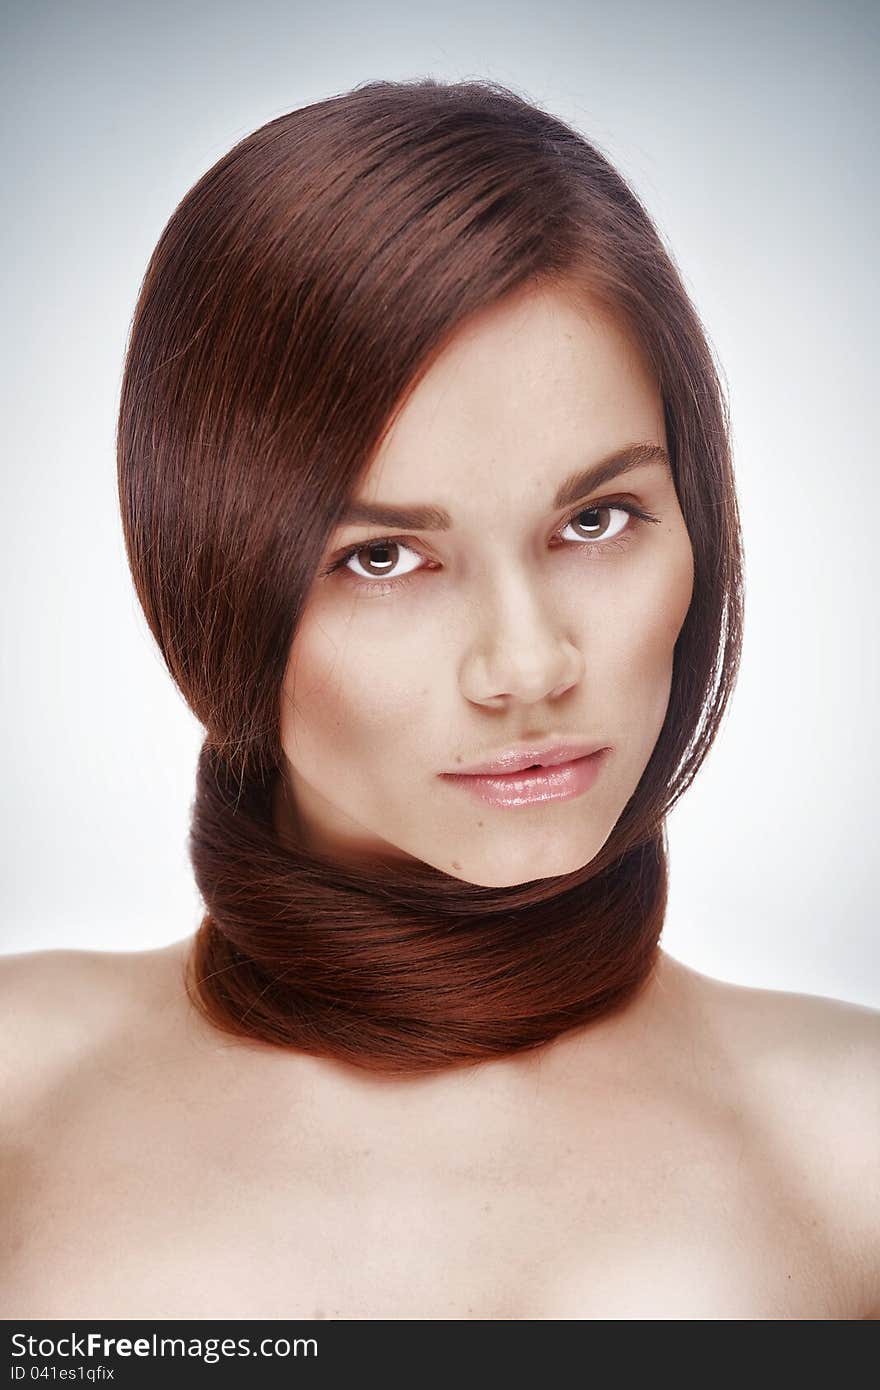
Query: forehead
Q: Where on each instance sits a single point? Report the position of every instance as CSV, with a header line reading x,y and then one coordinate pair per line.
x,y
527,390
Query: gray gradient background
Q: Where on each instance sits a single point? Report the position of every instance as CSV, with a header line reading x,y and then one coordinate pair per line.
x,y
749,133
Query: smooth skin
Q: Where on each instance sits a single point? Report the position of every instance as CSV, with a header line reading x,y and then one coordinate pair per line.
x,y
711,1152
520,620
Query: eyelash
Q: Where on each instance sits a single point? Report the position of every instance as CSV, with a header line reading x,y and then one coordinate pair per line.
x,y
383,586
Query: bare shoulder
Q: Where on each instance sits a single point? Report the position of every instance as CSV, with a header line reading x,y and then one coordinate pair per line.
x,y
785,1027
806,1072
59,1007
823,1053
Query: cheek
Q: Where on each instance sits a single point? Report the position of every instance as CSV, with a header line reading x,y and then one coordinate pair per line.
x,y
647,617
663,610
347,686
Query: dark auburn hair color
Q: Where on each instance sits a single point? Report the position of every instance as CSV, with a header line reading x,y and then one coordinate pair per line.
x,y
295,298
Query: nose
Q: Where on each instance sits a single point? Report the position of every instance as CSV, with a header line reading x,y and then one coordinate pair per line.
x,y
519,649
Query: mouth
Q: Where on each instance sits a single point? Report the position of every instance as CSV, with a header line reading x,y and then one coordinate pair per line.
x,y
533,784
544,753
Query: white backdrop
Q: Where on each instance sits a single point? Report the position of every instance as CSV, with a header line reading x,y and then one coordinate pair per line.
x,y
749,132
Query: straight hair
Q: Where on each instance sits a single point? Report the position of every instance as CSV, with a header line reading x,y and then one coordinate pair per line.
x,y
296,297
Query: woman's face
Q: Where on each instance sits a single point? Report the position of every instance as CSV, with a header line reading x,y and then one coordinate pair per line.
x,y
523,619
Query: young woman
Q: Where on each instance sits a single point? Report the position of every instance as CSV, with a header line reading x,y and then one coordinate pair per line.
x,y
426,487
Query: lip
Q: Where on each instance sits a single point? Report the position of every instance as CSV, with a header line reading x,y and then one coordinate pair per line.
x,y
558,782
549,753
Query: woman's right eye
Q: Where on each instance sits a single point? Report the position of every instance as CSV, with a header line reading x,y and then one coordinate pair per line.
x,y
381,559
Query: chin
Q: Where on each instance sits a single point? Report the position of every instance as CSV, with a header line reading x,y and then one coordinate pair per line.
x,y
522,868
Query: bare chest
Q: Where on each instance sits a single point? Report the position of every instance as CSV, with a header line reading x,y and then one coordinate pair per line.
x,y
121,1210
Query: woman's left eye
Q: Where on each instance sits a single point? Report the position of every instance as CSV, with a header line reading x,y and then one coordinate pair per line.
x,y
592,534
592,528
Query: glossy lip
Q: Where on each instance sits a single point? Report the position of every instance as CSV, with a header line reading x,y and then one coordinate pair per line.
x,y
527,788
548,753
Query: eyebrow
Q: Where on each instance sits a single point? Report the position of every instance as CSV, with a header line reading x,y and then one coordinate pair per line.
x,y
429,518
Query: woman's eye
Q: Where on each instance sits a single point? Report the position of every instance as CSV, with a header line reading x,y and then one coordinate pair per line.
x,y
381,559
597,529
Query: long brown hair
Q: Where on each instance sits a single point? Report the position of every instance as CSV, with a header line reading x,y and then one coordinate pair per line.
x,y
296,297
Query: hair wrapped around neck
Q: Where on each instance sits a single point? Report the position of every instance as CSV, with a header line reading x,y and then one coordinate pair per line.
x,y
409,970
